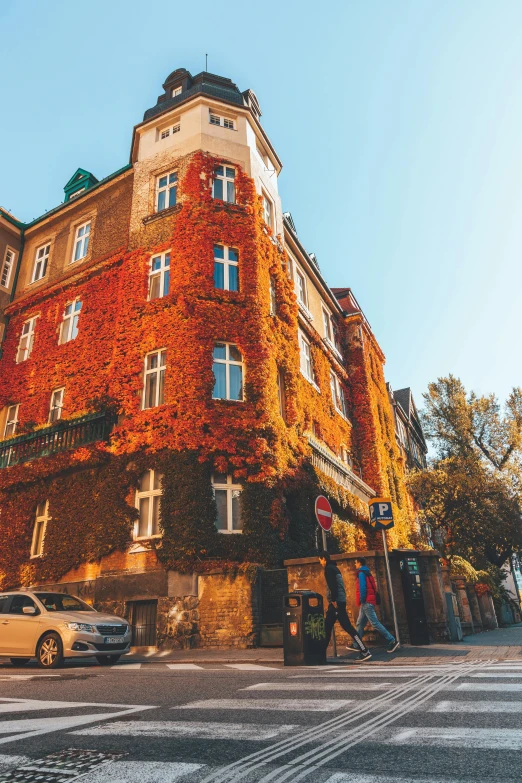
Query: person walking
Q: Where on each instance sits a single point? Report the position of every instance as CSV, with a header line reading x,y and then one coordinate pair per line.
x,y
366,592
336,595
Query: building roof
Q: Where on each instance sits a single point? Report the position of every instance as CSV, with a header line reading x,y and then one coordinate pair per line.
x,y
404,398
203,83
10,218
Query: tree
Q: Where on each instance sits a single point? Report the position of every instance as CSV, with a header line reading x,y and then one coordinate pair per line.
x,y
472,493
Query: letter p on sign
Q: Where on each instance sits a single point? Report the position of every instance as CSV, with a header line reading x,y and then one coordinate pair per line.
x,y
384,508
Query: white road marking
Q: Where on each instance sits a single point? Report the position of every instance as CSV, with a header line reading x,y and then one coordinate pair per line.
x,y
476,706
127,666
26,705
283,705
318,686
25,676
183,666
512,687
187,729
250,667
497,675
357,675
494,739
140,772
342,777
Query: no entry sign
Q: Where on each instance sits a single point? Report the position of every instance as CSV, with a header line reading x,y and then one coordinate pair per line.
x,y
323,512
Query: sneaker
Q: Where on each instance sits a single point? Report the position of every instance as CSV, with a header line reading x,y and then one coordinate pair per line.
x,y
364,656
353,648
393,646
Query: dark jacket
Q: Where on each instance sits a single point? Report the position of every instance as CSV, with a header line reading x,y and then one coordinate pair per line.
x,y
364,587
334,580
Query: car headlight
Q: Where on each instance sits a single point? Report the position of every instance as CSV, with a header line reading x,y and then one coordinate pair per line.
x,y
81,627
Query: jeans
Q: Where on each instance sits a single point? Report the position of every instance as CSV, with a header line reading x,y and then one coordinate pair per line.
x,y
340,614
367,614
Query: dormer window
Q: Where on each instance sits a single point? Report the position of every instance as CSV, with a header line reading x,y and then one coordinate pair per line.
x,y
223,122
176,91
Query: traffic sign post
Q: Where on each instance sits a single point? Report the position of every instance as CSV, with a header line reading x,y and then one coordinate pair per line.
x,y
324,515
381,518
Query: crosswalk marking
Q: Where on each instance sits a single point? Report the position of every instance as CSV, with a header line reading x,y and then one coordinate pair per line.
x,y
494,739
127,666
183,666
284,705
477,706
141,772
318,686
193,729
497,675
248,667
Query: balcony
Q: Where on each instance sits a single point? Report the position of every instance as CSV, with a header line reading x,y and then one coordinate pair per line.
x,y
340,473
61,436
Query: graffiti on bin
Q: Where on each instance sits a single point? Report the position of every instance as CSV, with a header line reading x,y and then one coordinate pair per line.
x,y
314,626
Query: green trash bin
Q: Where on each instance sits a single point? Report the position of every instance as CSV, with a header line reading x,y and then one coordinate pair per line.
x,y
303,629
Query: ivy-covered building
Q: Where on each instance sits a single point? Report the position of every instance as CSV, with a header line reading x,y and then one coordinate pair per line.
x,y
178,382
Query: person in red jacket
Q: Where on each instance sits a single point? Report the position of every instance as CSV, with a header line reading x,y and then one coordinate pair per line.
x,y
366,594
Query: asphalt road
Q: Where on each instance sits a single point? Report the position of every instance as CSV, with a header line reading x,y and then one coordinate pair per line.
x,y
148,723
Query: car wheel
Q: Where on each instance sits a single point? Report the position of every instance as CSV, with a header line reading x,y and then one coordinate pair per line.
x,y
20,661
107,660
50,651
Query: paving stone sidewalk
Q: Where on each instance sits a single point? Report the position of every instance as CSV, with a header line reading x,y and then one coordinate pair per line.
x,y
500,644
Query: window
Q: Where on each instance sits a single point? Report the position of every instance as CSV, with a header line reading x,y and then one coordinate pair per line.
x,y
159,276
154,386
281,393
40,524
224,122
25,345
7,268
300,287
228,502
224,186
337,393
11,421
40,262
331,333
307,367
228,372
18,603
176,91
166,191
267,211
55,409
81,241
148,497
71,316
226,268
165,133
345,456
176,128
273,297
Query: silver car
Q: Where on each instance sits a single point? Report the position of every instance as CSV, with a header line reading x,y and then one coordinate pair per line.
x,y
56,626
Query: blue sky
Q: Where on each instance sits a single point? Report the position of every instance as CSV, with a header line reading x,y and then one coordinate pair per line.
x,y
399,125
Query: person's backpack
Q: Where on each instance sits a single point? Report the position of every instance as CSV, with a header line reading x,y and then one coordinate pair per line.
x,y
377,594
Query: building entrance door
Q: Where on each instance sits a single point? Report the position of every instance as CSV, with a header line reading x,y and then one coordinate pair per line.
x,y
142,617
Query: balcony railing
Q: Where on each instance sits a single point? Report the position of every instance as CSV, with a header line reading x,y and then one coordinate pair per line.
x,y
61,436
338,471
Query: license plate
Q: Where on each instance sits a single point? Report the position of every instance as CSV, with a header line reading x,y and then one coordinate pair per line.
x,y
111,640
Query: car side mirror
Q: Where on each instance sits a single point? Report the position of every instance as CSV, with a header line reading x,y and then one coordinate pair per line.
x,y
29,610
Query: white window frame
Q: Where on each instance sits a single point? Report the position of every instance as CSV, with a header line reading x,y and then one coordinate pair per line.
x,y
40,523
165,133
345,457
7,268
176,91
268,210
41,260
81,241
338,397
176,128
273,296
151,494
166,189
306,359
69,327
227,263
301,288
228,362
56,405
230,488
330,331
226,179
161,273
222,122
11,420
28,336
160,370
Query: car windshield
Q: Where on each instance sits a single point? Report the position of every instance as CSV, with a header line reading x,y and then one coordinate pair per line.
x,y
61,602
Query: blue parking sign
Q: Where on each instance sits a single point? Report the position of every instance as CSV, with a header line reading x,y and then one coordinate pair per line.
x,y
381,513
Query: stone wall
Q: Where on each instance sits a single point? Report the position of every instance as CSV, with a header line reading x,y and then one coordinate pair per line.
x,y
229,611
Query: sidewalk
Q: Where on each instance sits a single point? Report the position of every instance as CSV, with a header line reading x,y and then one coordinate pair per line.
x,y
503,643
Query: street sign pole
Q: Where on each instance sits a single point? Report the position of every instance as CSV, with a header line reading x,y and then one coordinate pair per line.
x,y
388,574
325,547
323,514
